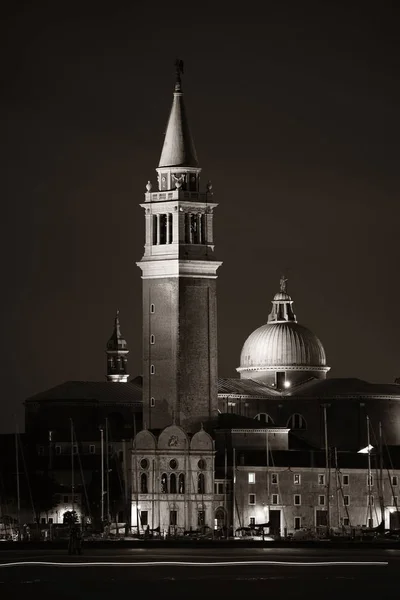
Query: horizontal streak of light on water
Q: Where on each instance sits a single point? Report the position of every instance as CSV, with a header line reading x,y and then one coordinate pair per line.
x,y
247,563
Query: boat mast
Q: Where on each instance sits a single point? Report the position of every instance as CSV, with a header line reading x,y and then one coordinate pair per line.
x,y
268,488
234,490
72,469
102,472
382,500
327,471
17,470
338,487
107,474
370,524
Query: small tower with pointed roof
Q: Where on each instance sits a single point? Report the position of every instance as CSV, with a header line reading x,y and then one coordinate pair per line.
x,y
179,272
117,355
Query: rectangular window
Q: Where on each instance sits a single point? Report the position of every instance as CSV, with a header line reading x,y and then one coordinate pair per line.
x,y
394,480
370,523
297,479
252,477
92,449
252,521
321,500
201,518
58,449
152,402
346,500
274,478
173,517
297,522
370,481
371,501
218,488
345,480
346,521
152,339
275,499
144,518
252,498
43,520
152,309
152,369
50,521
297,499
321,479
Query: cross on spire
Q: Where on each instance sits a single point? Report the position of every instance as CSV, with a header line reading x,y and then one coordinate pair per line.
x,y
179,72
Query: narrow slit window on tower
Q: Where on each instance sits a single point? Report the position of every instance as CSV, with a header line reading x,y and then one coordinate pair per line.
x,y
170,228
152,309
155,230
152,339
203,229
193,229
152,369
152,402
163,229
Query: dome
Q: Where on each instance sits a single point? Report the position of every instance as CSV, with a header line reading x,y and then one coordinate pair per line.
x,y
282,344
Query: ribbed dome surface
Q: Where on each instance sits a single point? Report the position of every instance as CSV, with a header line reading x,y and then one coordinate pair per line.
x,y
282,344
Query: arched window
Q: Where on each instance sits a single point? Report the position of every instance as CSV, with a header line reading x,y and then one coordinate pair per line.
x,y
297,421
164,483
143,483
181,483
172,483
200,483
264,418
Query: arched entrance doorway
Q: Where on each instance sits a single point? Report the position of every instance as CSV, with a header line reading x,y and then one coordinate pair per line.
x,y
220,518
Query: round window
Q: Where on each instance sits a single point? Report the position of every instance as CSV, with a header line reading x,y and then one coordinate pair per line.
x,y
173,464
144,463
201,464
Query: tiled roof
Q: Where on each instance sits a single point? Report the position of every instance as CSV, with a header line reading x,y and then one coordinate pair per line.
x,y
245,387
98,391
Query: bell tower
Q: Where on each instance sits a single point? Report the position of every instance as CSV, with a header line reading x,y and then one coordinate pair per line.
x,y
179,273
117,355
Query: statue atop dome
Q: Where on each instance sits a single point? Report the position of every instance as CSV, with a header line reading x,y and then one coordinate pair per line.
x,y
283,282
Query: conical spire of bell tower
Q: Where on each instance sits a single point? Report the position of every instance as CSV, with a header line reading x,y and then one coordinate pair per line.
x,y
178,149
282,310
117,351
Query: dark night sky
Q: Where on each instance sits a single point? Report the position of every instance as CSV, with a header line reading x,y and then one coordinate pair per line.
x,y
294,112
